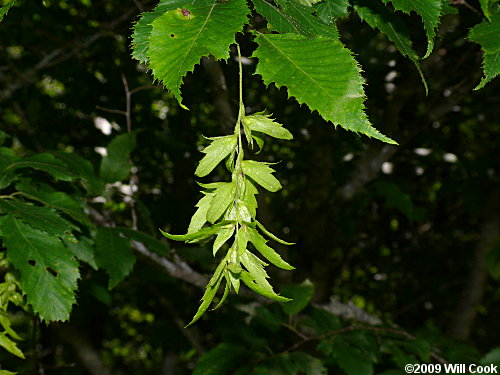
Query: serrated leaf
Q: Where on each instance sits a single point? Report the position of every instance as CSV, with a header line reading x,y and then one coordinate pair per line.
x,y
55,199
261,173
143,27
215,153
152,243
334,88
485,7
5,9
46,163
302,13
211,290
260,143
487,34
242,239
350,359
82,169
267,252
429,10
260,288
82,249
256,277
272,236
262,123
279,20
227,289
179,39
380,17
221,360
300,294
249,198
199,218
224,234
43,218
115,166
10,346
202,233
48,270
330,10
113,254
308,3
223,197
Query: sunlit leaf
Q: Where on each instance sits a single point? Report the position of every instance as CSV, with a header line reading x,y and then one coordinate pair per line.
x,y
179,39
215,153
334,87
262,174
487,34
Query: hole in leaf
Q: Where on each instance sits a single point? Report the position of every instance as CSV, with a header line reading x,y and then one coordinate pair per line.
x,y
172,35
51,271
32,262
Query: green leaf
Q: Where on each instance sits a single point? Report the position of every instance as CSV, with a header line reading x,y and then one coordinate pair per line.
x,y
259,122
113,253
179,40
220,360
5,372
10,346
330,10
260,143
334,88
491,358
260,288
48,270
314,26
152,243
380,17
429,10
82,169
350,358
300,294
56,200
82,249
399,200
280,20
200,216
43,218
487,35
249,198
223,236
261,173
116,166
223,197
242,238
202,233
211,290
307,3
144,27
215,153
256,277
260,244
272,236
46,163
227,289
5,9
485,7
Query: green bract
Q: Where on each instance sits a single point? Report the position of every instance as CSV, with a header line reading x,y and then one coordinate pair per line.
x,y
230,208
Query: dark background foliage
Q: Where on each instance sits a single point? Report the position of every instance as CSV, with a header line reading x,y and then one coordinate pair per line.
x,y
402,232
